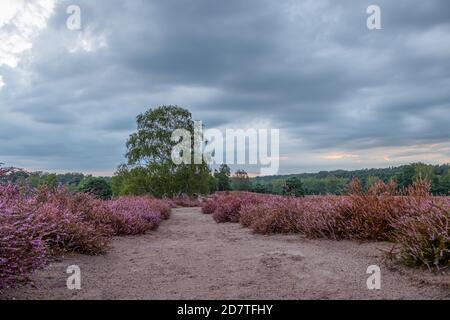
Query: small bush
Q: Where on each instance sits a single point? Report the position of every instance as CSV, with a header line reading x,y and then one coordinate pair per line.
x,y
272,216
425,239
161,206
209,205
98,187
416,220
366,217
22,249
316,216
37,225
133,215
71,223
186,201
228,205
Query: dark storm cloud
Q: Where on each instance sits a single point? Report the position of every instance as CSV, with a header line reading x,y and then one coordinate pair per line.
x,y
311,68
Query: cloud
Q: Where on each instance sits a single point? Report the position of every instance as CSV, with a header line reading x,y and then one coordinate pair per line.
x,y
341,156
89,42
310,68
20,23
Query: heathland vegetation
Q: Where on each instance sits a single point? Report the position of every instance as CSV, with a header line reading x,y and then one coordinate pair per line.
x,y
336,182
137,181
417,222
39,224
44,215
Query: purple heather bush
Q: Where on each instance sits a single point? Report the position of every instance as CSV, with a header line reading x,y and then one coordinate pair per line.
x,y
416,220
38,225
135,215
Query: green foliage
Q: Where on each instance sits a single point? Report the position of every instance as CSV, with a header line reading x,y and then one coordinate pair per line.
x,y
222,177
37,179
405,176
50,181
443,187
259,188
370,181
98,187
152,143
423,172
294,187
278,186
130,181
241,181
150,168
335,182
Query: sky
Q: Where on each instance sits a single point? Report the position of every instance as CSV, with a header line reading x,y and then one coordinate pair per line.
x,y
342,95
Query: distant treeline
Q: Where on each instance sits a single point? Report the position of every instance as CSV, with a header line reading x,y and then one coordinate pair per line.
x,y
323,182
75,182
336,182
150,169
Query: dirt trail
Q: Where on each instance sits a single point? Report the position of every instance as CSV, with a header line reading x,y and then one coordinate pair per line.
x,y
192,257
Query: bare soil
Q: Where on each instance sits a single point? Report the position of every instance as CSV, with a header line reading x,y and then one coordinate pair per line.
x,y
192,257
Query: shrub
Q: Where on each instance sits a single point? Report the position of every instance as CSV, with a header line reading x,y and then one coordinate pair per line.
x,y
37,225
316,216
163,207
98,187
367,217
71,223
416,220
228,205
227,209
133,215
186,202
294,187
22,249
425,239
209,205
271,216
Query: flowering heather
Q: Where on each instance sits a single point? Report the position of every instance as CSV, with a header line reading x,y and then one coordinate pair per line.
x,y
185,201
229,206
71,223
317,216
162,207
22,249
37,225
133,215
275,215
425,239
209,205
416,220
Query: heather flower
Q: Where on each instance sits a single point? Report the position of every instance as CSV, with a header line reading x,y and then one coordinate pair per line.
x,y
418,221
38,225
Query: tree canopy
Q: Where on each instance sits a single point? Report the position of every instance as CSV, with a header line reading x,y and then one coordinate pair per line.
x,y
294,187
98,187
150,168
241,181
222,177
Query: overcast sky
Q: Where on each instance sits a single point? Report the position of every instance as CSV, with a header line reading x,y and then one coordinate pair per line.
x,y
343,96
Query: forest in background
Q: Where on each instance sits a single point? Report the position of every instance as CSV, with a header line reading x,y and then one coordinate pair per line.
x,y
323,182
336,182
149,169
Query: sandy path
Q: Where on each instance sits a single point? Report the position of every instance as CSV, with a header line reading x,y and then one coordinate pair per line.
x,y
192,257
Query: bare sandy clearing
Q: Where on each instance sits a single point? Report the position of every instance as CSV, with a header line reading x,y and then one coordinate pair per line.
x,y
192,257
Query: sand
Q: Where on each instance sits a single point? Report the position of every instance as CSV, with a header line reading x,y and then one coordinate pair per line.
x,y
192,257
